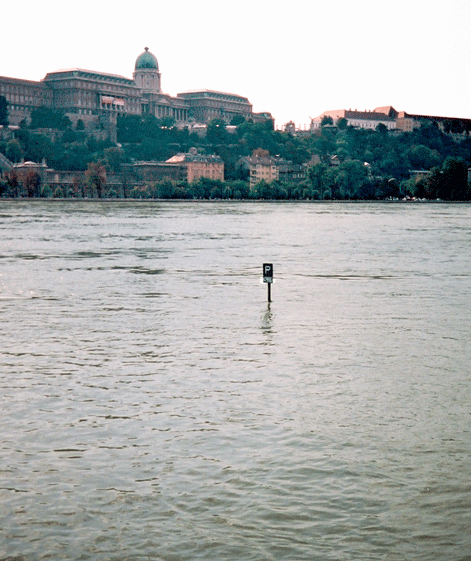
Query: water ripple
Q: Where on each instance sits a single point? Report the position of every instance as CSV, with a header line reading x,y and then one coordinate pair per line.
x,y
155,406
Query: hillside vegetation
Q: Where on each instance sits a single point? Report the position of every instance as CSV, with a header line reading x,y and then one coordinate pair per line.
x,y
341,162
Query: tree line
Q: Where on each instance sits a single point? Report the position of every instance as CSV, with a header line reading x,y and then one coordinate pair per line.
x,y
341,162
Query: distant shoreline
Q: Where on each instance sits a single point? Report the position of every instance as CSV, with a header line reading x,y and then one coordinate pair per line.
x,y
231,201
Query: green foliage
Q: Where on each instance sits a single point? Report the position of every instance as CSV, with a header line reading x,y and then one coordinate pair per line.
x,y
39,147
237,120
351,178
262,190
141,192
448,182
58,192
327,121
3,110
236,190
389,156
323,143
387,189
113,158
423,157
14,150
216,132
46,191
205,188
12,189
320,179
454,184
130,129
46,118
74,157
3,186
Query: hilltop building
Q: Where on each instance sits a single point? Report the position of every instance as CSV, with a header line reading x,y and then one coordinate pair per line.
x,y
407,122
97,98
392,119
358,119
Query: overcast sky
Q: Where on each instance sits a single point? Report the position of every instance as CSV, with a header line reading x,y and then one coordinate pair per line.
x,y
295,59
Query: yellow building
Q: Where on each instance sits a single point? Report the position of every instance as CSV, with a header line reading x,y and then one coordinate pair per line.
x,y
262,169
196,165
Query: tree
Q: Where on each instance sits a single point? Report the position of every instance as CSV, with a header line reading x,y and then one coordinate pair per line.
x,y
47,118
32,183
166,122
217,190
457,126
388,188
96,177
323,143
237,120
78,187
3,186
181,190
260,153
432,184
358,141
39,147
262,190
341,123
13,182
319,176
3,110
239,189
129,129
422,157
114,157
206,188
395,165
447,125
14,150
216,132
454,184
351,177
164,189
327,121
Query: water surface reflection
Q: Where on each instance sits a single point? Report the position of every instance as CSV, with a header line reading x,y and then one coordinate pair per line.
x,y
155,406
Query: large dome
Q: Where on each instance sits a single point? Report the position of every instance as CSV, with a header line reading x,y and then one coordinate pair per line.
x,y
146,60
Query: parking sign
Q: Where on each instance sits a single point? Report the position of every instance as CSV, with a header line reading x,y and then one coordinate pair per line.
x,y
268,272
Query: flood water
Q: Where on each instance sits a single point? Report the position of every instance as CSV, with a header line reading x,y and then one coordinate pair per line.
x,y
155,406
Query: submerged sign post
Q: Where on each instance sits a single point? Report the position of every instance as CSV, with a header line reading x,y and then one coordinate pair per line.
x,y
268,277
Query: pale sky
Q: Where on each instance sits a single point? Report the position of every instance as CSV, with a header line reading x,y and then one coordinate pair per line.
x,y
295,59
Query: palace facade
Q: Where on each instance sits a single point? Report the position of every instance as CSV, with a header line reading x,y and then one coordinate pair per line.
x,y
97,98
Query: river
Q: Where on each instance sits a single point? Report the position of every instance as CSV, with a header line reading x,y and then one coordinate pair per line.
x,y
155,406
